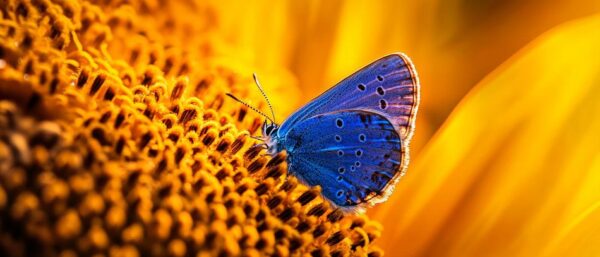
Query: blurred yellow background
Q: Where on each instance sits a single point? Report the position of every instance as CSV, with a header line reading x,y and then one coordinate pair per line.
x,y
506,156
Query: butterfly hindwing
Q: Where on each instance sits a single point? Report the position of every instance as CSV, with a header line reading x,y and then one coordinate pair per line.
x,y
388,86
354,155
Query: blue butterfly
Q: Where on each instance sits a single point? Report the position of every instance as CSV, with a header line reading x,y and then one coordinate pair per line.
x,y
353,139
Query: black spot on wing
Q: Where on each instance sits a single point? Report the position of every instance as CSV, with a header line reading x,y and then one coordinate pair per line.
x,y
382,104
361,87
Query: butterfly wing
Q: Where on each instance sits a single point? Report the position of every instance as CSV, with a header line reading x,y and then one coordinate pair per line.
x,y
353,155
388,86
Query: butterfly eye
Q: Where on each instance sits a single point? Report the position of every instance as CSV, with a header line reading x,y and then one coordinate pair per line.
x,y
269,129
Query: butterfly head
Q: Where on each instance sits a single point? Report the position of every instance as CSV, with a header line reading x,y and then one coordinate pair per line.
x,y
269,134
269,127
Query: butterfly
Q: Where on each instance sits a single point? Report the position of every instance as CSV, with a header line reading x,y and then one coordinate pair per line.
x,y
353,139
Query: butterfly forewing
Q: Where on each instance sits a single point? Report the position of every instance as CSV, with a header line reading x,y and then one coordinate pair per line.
x,y
388,86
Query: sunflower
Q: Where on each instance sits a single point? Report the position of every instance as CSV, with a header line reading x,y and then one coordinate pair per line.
x,y
116,138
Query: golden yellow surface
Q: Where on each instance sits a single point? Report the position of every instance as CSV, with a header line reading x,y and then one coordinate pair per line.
x,y
116,139
505,161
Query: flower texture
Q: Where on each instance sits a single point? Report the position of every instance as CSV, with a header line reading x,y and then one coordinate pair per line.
x,y
116,140
515,169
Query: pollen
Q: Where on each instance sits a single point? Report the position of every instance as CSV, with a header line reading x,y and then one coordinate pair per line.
x,y
116,140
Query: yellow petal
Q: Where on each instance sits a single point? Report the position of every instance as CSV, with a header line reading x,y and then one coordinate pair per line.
x,y
514,170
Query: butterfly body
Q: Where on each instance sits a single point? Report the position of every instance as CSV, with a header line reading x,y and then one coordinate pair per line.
x,y
353,139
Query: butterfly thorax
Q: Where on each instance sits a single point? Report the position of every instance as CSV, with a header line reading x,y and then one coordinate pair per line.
x,y
271,138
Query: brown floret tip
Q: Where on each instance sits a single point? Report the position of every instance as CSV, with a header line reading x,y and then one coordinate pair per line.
x,y
116,140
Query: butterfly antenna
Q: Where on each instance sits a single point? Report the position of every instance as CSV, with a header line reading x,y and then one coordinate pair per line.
x,y
249,106
264,95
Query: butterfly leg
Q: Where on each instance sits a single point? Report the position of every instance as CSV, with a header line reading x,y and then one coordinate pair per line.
x,y
261,145
258,138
